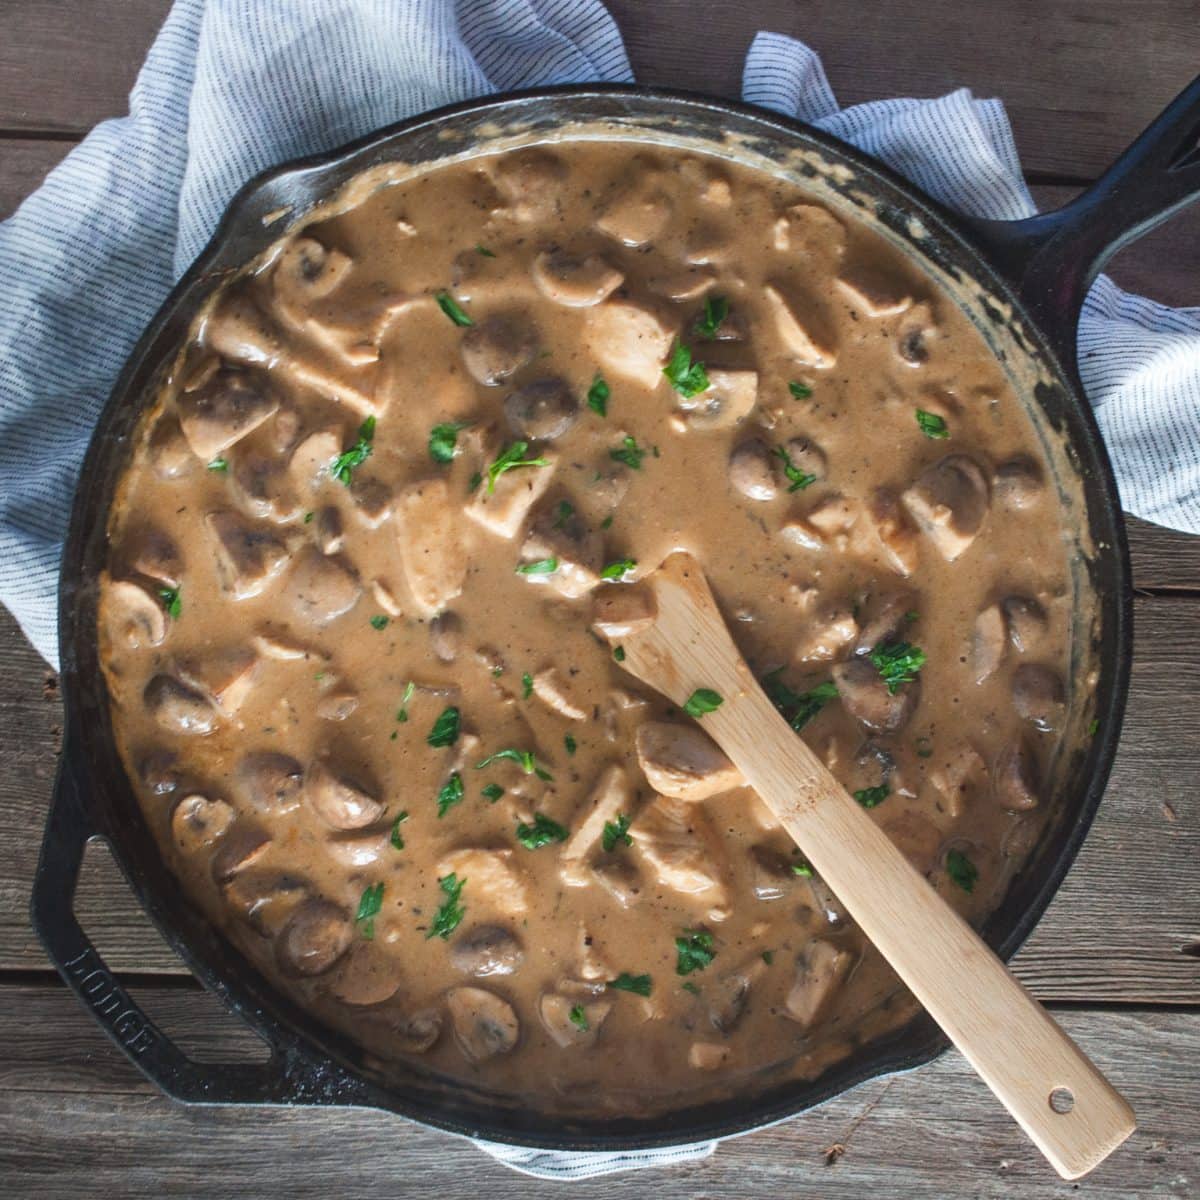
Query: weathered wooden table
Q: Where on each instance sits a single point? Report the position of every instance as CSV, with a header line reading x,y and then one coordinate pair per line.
x,y
1117,955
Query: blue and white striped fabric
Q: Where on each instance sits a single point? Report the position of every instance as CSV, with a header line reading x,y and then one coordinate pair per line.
x,y
231,87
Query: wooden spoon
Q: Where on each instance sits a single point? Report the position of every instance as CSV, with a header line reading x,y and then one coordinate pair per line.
x,y
671,636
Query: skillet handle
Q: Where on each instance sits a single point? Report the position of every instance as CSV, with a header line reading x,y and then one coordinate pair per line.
x,y
1052,259
286,1077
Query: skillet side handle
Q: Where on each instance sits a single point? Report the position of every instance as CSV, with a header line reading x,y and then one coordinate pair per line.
x,y
281,1079
1053,259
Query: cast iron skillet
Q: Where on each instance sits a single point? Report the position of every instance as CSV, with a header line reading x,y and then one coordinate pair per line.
x,y
1031,276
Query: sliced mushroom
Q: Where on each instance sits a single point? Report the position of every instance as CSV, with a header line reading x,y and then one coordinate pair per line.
x,y
727,401
260,487
812,231
619,876
865,696
917,329
432,549
728,994
498,347
832,911
360,847
683,761
321,589
168,450
771,873
225,676
954,776
637,215
898,537
572,1021
575,546
827,634
872,291
199,821
821,970
311,459
178,708
487,950
804,338
327,527
342,803
270,782
553,690
531,182
682,283
318,933
575,282
337,705
1027,622
445,636
365,976
415,1033
1018,484
484,1024
884,615
1038,696
629,340
542,410
1015,776
243,845
264,899
248,556
752,470
153,553
949,501
131,615
224,409
806,456
373,499
988,643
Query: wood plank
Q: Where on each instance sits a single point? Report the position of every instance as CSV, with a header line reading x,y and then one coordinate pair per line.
x,y
1115,931
1163,558
77,1117
1075,104
23,165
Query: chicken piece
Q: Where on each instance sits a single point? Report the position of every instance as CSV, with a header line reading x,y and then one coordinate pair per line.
x,y
575,282
1039,696
827,635
708,1056
503,510
729,399
248,556
829,524
261,488
230,405
277,646
805,342
178,708
320,589
629,340
679,845
554,692
530,181
311,460
494,880
682,283
560,533
873,292
433,554
610,797
682,761
484,1024
242,846
896,534
168,450
1026,621
988,642
620,877
949,502
813,232
637,215
821,970
130,614
571,1021
151,553
226,676
955,776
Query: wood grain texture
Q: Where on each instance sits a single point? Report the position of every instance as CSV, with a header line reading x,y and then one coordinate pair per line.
x,y
1075,100
23,166
77,1118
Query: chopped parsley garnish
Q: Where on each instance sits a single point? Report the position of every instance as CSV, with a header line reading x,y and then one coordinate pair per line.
x,y
369,906
694,951
703,700
219,464
484,251
688,378
443,441
797,707
801,866
342,467
578,1018
570,743
932,426
798,479
607,522
716,309
872,797
689,986
897,663
172,601
397,838
619,569
542,832
493,792
598,394
308,516
476,480
379,621
962,870
523,758
768,956
800,391
640,985
541,566
629,453
402,711
619,653
451,913
616,832
563,514
453,309
1093,726
445,728
510,460
449,794
526,686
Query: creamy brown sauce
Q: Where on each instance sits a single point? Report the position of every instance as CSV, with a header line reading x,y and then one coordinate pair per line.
x,y
304,579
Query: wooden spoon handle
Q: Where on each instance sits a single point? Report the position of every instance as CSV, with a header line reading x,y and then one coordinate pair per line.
x,y
1034,1068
